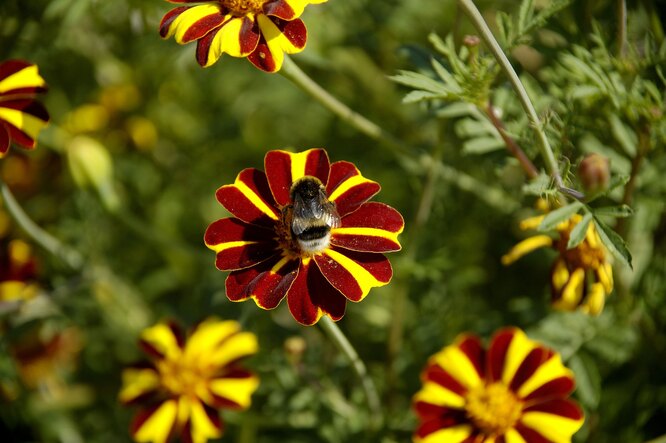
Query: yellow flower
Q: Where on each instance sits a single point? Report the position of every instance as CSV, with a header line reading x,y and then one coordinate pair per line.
x,y
581,277
185,383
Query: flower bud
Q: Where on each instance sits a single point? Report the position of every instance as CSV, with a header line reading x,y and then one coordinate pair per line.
x,y
91,166
594,173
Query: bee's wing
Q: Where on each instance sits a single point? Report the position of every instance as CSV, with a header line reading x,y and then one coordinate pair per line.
x,y
333,217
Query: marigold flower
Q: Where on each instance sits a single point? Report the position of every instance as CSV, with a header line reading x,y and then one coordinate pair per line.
x,y
17,272
304,229
581,277
261,30
515,391
186,382
21,116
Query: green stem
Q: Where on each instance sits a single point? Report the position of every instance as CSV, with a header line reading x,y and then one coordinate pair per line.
x,y
487,36
71,257
621,28
338,337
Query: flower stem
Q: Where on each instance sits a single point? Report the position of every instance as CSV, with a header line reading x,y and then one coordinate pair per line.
x,y
71,257
546,151
338,337
621,28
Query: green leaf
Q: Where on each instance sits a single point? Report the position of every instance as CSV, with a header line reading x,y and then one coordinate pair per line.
x,y
419,96
620,211
624,136
588,379
559,215
482,145
539,186
578,232
420,81
456,109
613,242
525,14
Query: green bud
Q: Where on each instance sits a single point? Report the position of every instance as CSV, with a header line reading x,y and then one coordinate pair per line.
x,y
92,167
594,173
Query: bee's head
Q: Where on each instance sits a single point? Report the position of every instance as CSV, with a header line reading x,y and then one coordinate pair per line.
x,y
307,188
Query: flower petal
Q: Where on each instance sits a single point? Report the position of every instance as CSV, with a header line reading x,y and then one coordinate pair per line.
x,y
138,382
354,273
374,227
24,119
266,283
20,77
281,8
250,198
525,247
187,24
311,296
238,244
164,340
236,389
571,295
220,342
203,422
348,188
239,38
556,420
437,431
462,361
4,139
278,37
155,424
594,300
284,168
542,369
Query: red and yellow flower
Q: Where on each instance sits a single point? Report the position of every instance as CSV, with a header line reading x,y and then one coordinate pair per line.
x,y
21,116
185,383
516,391
581,277
261,30
269,263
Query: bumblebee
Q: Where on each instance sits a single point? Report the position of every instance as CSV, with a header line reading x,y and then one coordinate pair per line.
x,y
312,215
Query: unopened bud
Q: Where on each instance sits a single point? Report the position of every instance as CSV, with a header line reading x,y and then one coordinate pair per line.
x,y
594,173
471,41
91,166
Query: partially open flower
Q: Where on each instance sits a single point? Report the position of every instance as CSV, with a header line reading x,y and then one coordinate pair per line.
x,y
581,277
261,30
515,391
21,116
304,230
186,382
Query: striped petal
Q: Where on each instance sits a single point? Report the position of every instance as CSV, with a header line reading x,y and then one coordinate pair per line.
x,y
164,340
23,120
281,8
348,188
238,244
438,432
278,37
239,38
556,420
543,370
354,273
267,283
463,361
203,422
439,389
187,24
250,198
235,390
311,296
374,227
156,424
137,382
284,168
18,77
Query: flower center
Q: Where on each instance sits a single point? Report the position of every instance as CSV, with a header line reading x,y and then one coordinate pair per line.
x,y
585,255
242,7
493,408
180,377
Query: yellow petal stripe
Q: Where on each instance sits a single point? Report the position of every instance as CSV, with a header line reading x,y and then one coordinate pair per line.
x,y
525,247
549,370
347,185
238,390
299,159
227,40
364,279
184,21
229,245
25,122
554,427
456,363
137,382
254,198
27,77
436,394
512,436
237,346
162,339
158,426
455,434
202,429
299,5
367,232
207,336
278,44
519,348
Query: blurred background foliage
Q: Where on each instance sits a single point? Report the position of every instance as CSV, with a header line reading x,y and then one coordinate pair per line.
x,y
141,137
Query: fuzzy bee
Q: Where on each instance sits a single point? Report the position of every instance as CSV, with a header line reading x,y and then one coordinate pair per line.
x,y
312,215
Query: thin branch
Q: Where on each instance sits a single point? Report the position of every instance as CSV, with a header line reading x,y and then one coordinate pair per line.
x,y
622,28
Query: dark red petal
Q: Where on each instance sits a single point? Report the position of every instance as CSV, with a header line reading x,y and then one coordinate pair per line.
x,y
354,283
559,387
267,283
383,225
250,198
439,375
557,406
202,27
295,31
203,46
169,17
10,67
28,106
472,348
249,35
451,418
238,244
280,9
311,296
353,197
497,353
4,139
283,168
262,58
529,365
530,435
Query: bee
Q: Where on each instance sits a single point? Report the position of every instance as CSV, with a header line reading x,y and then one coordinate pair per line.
x,y
312,214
